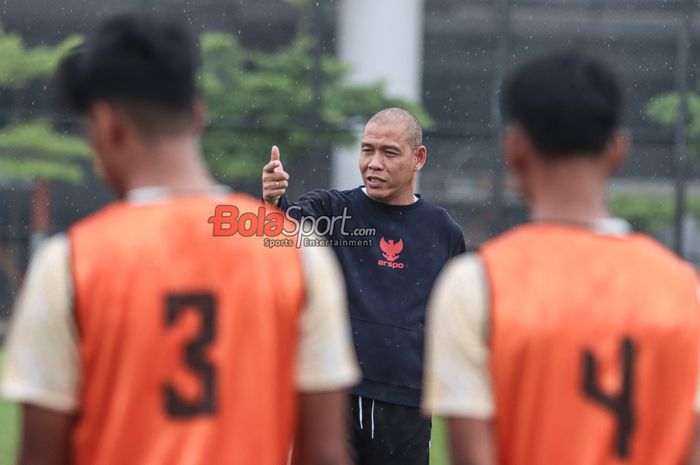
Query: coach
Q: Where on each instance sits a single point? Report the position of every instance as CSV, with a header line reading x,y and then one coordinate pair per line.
x,y
389,275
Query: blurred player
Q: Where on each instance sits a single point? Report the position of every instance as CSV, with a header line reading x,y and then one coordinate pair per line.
x,y
139,338
569,340
388,283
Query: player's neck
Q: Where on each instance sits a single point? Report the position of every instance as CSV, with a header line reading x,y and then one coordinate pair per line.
x,y
173,164
570,196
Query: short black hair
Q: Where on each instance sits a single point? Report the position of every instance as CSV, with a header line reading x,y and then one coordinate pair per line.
x,y
144,62
568,101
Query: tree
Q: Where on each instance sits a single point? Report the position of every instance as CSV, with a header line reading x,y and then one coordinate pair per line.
x,y
33,150
258,98
651,214
664,110
21,64
254,99
30,150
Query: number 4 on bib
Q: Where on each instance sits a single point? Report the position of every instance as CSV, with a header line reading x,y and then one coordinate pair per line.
x,y
619,404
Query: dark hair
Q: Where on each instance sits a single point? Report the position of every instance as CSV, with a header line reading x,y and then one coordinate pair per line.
x,y
145,63
569,102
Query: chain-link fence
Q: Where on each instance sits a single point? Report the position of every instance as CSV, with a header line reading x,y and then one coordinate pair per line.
x,y
470,44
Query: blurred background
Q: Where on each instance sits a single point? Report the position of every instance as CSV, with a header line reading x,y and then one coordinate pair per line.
x,y
305,75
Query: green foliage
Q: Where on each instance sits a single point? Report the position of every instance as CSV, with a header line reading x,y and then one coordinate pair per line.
x,y
300,3
37,136
32,150
256,99
9,427
20,65
664,109
439,453
649,214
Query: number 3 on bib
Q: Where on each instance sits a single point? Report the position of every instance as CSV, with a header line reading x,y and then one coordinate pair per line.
x,y
204,305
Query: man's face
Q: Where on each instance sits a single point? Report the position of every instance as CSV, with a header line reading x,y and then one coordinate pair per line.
x,y
388,163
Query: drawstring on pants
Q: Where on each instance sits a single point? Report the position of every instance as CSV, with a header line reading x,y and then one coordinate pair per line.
x,y
359,404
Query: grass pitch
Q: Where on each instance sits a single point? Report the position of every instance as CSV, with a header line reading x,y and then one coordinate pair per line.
x,y
9,429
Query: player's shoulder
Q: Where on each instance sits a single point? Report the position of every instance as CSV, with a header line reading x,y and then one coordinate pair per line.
x,y
650,245
463,267
515,234
101,215
536,236
316,258
462,287
52,249
137,212
244,202
654,250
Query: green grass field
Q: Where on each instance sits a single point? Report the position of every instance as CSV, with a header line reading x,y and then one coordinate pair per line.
x,y
9,429
439,454
9,424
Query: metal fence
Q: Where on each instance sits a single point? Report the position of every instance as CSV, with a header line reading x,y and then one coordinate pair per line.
x,y
469,45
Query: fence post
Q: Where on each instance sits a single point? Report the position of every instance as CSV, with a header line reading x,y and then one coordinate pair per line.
x,y
681,143
502,18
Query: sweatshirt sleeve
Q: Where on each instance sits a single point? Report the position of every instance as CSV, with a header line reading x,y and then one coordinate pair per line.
x,y
315,203
459,246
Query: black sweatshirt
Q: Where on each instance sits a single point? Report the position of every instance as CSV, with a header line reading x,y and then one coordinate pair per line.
x,y
388,282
